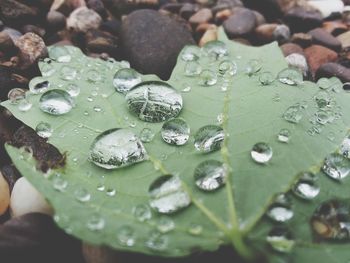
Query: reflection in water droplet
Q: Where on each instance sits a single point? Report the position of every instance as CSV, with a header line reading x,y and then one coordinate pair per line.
x,y
167,195
227,67
290,76
95,222
306,187
165,224
142,212
208,78
192,68
261,153
215,49
56,102
210,175
293,114
190,53
157,241
175,131
125,79
16,95
154,101
73,89
82,195
117,148
283,135
126,236
253,66
24,105
195,229
280,210
38,85
60,54
280,239
209,138
331,220
44,129
336,166
266,78
146,135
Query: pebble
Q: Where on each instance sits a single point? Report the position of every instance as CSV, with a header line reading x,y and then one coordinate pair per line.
x,y
317,55
327,7
26,199
226,4
66,6
328,70
83,19
98,6
298,61
4,195
272,32
241,23
222,15
6,42
56,20
260,19
148,45
301,20
17,13
335,27
10,174
322,37
290,48
96,254
344,39
302,39
187,10
210,34
31,49
102,42
204,15
34,29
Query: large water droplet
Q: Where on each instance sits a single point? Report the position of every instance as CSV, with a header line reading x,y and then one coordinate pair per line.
x,y
336,166
24,105
44,129
142,212
16,95
192,68
56,102
146,135
117,148
38,85
227,68
293,114
125,79
60,54
284,135
345,147
126,236
167,195
190,53
157,241
154,101
306,187
290,76
95,222
175,131
261,152
165,224
280,239
209,138
210,175
331,220
208,78
280,210
215,49
266,78
253,66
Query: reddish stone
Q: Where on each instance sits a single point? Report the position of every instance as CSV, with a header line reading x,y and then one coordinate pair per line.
x,y
291,48
334,27
317,55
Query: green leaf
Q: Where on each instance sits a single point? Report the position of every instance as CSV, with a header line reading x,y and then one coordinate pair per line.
x,y
251,113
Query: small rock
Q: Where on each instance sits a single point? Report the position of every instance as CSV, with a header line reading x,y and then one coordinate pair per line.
x,y
34,29
210,34
290,48
1,25
241,23
204,15
66,6
328,70
272,9
187,10
300,19
334,27
95,254
6,84
111,26
321,37
13,33
17,13
4,195
102,42
26,199
10,174
149,46
327,7
83,19
172,8
298,61
56,20
317,55
6,42
222,15
302,39
271,32
122,7
98,7
344,40
260,19
31,49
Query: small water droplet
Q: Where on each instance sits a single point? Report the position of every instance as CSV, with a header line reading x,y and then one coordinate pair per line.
x,y
190,53
59,183
167,195
46,68
293,114
125,79
220,118
16,95
95,222
97,108
186,89
126,236
56,102
68,73
117,148
306,187
157,241
324,83
336,166
101,187
94,76
209,138
266,78
195,229
215,49
60,54
280,239
44,129
227,68
142,212
73,89
192,68
111,192
208,78
82,195
175,131
323,117
146,135
280,210
165,225
210,175
38,85
253,66
331,136
86,113
290,76
261,152
154,101
324,99
283,135
24,105
276,98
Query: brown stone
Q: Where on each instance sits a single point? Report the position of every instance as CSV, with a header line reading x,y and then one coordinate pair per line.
x,y
291,48
302,39
317,55
334,27
222,15
204,15
210,34
344,39
265,32
83,19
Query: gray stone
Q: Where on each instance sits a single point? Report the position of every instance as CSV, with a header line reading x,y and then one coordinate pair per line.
x,y
241,23
322,37
333,70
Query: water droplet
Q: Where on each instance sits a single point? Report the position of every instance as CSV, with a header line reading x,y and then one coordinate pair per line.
x,y
60,54
336,84
95,222
111,191
208,78
175,131
324,83
209,138
331,220
266,78
94,76
154,101
82,195
59,183
16,95
210,175
293,114
73,89
165,224
68,73
89,99
290,76
186,89
215,49
261,152
125,79
126,236
190,53
220,118
101,187
331,136
142,212
345,147
157,241
56,102
195,229
167,195
146,135
132,124
306,186
336,166
280,210
192,68
24,105
44,129
38,85
253,66
324,99
227,67
280,239
97,108
276,98
46,68
283,135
